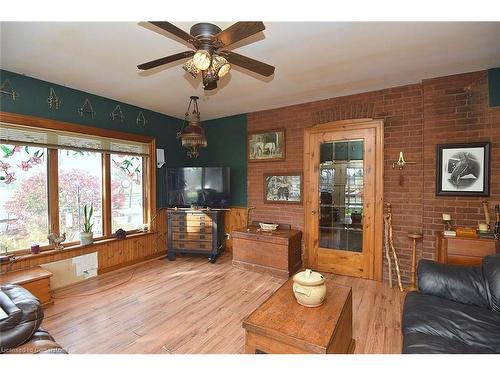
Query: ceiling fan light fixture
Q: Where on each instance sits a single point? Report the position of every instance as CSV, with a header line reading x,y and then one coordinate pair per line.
x,y
191,68
207,86
207,39
224,69
220,65
210,79
202,59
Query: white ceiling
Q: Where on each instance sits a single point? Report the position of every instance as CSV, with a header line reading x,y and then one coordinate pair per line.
x,y
313,60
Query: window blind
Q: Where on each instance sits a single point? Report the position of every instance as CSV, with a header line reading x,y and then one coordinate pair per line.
x,y
55,139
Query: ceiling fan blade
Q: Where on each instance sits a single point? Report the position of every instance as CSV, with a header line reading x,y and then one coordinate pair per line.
x,y
172,29
165,60
248,63
237,32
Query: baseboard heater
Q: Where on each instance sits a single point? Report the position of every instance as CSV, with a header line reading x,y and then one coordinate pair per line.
x,y
69,271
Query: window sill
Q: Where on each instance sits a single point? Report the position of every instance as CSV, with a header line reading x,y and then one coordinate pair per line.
x,y
99,242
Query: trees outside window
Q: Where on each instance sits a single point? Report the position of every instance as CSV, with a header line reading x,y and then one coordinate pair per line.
x,y
127,192
23,197
80,183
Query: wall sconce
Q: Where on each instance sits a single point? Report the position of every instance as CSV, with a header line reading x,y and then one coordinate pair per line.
x,y
401,162
160,157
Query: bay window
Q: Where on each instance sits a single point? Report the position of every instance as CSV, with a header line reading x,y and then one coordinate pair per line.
x,y
50,170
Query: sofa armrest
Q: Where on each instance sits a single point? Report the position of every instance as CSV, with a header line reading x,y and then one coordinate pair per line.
x,y
463,284
14,313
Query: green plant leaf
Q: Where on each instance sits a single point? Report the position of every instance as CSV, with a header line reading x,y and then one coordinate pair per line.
x,y
7,151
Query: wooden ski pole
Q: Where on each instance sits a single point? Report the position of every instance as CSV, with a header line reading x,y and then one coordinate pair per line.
x,y
391,242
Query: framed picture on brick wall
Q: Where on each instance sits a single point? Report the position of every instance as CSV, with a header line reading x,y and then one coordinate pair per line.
x,y
266,145
283,188
463,169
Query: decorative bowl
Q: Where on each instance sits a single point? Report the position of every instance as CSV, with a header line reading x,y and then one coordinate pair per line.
x,y
309,288
268,226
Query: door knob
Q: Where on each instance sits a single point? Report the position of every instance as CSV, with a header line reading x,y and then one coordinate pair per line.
x,y
313,212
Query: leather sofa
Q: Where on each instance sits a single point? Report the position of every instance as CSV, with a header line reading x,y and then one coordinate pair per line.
x,y
455,311
20,331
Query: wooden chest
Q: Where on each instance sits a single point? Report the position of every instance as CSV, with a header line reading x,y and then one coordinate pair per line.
x,y
464,250
277,253
36,280
281,326
195,232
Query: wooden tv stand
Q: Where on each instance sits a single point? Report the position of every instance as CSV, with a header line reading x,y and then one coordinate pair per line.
x,y
277,253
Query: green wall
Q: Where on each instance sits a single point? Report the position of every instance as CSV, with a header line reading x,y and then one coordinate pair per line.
x,y
227,147
494,86
226,136
32,100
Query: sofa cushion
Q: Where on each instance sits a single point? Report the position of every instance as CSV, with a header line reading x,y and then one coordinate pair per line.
x,y
491,272
421,343
462,284
470,325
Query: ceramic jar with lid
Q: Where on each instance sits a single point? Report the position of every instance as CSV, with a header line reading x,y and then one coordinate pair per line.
x,y
309,288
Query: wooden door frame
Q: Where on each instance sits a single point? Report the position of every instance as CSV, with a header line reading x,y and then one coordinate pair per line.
x,y
310,219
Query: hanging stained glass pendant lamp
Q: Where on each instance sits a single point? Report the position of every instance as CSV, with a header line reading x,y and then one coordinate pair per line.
x,y
193,135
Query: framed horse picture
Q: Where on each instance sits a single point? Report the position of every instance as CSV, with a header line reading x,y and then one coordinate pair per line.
x,y
463,169
283,188
266,146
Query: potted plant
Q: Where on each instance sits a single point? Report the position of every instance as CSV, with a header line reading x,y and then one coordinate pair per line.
x,y
356,217
86,236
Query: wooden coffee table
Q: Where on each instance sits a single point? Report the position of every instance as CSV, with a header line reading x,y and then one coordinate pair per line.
x,y
280,325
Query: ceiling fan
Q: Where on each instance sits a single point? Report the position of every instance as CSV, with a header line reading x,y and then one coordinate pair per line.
x,y
208,59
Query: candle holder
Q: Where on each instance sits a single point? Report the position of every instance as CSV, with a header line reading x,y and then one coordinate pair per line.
x,y
448,228
447,225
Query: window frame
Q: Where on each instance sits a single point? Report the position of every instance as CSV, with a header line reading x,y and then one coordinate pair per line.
x,y
148,162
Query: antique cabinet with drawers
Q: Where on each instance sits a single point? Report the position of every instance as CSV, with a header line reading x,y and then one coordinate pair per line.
x,y
195,232
465,251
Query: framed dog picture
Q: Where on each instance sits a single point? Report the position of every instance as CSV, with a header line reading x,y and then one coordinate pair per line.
x,y
266,146
463,169
283,188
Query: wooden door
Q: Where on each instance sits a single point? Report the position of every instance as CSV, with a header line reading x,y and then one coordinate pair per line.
x,y
343,172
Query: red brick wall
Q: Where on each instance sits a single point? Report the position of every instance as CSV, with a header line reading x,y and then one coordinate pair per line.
x,y
456,110
416,117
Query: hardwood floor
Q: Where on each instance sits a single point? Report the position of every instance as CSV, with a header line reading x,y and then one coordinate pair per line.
x,y
192,306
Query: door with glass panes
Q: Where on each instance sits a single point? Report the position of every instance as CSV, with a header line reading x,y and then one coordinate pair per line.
x,y
344,199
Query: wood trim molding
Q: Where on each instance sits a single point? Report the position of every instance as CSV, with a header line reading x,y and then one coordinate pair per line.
x,y
150,205
53,190
139,245
40,122
106,194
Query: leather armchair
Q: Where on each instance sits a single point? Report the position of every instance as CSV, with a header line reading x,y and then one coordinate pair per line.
x,y
20,330
456,310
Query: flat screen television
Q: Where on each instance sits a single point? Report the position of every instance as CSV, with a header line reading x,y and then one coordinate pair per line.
x,y
199,186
